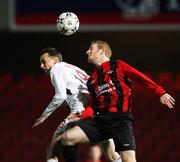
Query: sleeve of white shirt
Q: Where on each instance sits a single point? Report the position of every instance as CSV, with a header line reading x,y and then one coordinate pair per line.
x,y
58,81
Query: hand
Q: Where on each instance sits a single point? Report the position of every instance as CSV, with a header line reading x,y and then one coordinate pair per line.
x,y
39,121
74,117
64,122
167,100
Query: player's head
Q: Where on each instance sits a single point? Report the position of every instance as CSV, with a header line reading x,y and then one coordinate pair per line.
x,y
48,57
99,52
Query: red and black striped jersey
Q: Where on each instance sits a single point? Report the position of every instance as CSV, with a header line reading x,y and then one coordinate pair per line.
x,y
110,86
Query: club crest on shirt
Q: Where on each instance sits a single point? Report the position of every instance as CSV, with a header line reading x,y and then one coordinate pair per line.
x,y
109,72
92,82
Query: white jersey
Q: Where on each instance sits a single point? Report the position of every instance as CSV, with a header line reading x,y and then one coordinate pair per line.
x,y
69,82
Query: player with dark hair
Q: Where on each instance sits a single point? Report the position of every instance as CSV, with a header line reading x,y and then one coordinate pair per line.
x,y
110,116
70,86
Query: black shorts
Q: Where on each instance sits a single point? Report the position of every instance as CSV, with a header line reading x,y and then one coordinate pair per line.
x,y
110,125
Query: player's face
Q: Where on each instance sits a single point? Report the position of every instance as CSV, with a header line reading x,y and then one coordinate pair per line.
x,y
46,62
93,53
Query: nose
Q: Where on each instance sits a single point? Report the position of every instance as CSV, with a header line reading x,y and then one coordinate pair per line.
x,y
41,65
87,52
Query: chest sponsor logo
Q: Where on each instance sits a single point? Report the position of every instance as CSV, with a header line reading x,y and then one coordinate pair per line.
x,y
104,88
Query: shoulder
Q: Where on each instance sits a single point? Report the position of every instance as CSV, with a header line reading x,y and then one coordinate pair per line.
x,y
121,65
116,63
58,68
121,62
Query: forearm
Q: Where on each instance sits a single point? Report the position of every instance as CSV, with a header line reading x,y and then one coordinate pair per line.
x,y
51,108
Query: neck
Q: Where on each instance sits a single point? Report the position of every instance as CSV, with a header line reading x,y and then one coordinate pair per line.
x,y
102,61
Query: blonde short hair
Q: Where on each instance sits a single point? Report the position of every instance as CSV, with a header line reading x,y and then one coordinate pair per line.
x,y
103,45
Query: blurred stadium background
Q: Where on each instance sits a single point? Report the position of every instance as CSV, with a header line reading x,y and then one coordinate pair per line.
x,y
145,33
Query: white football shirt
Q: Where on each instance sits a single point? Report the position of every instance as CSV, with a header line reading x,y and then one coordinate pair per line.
x,y
69,82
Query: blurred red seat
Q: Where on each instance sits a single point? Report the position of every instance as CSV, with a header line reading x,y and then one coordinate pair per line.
x,y
176,84
165,79
27,78
6,82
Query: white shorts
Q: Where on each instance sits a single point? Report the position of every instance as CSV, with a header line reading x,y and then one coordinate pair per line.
x,y
77,103
61,130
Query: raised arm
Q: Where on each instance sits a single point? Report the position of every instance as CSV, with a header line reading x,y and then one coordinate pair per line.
x,y
59,83
142,79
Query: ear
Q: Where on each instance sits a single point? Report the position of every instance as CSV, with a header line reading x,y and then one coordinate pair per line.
x,y
56,60
101,52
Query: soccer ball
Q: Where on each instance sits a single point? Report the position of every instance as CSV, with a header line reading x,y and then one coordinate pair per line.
x,y
67,23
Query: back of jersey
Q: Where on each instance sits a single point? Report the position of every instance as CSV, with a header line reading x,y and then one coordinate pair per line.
x,y
76,78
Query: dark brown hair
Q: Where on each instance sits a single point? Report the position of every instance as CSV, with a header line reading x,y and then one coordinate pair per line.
x,y
53,52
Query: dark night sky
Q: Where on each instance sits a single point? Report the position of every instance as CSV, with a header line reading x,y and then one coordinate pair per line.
x,y
148,51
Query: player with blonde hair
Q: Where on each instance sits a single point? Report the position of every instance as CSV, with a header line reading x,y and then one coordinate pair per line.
x,y
110,116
